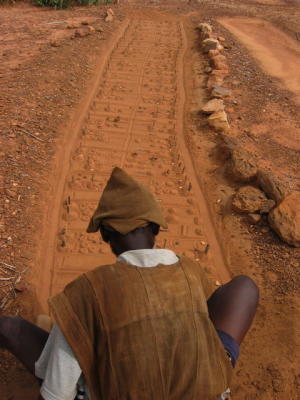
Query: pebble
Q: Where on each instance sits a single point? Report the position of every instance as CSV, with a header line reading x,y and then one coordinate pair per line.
x,y
254,218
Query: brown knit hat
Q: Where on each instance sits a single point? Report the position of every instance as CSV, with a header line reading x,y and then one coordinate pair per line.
x,y
125,205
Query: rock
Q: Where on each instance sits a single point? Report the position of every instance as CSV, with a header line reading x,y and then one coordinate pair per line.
x,y
213,53
226,147
81,33
268,205
208,70
242,166
221,39
210,44
219,62
205,30
249,199
285,219
219,121
91,29
109,15
109,18
212,106
265,229
221,73
72,26
214,80
271,186
84,22
254,218
220,92
204,27
11,193
54,43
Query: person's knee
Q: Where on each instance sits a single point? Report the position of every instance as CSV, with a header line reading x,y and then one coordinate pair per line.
x,y
248,285
9,327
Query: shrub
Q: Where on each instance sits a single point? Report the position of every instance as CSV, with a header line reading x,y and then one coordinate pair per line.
x,y
67,3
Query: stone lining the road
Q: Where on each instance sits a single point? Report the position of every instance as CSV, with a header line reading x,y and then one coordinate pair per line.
x,y
281,205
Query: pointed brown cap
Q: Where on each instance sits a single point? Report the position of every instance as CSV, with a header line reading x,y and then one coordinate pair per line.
x,y
125,205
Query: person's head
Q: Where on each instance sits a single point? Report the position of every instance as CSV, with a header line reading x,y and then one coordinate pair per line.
x,y
127,215
139,238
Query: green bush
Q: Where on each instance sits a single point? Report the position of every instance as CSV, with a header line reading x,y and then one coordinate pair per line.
x,y
67,3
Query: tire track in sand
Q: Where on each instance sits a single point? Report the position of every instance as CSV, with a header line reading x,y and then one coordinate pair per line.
x,y
135,121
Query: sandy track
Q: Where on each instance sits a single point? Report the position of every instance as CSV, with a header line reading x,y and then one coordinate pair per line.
x,y
134,121
276,52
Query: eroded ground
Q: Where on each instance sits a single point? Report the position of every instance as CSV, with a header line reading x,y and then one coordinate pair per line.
x,y
126,94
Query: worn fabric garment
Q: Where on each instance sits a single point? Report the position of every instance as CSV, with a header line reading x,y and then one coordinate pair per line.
x,y
144,333
125,205
59,369
57,355
230,345
148,258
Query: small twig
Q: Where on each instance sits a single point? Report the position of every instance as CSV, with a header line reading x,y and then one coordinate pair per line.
x,y
31,134
56,22
4,301
17,280
8,284
8,266
7,279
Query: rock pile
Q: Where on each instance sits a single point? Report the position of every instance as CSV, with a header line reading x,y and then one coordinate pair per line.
x,y
78,29
267,195
263,193
218,70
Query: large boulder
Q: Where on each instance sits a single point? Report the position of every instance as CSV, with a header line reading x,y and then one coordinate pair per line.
x,y
249,199
275,189
285,219
242,166
214,105
218,121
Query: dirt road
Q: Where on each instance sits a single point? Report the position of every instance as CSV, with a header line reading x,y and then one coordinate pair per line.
x,y
132,119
